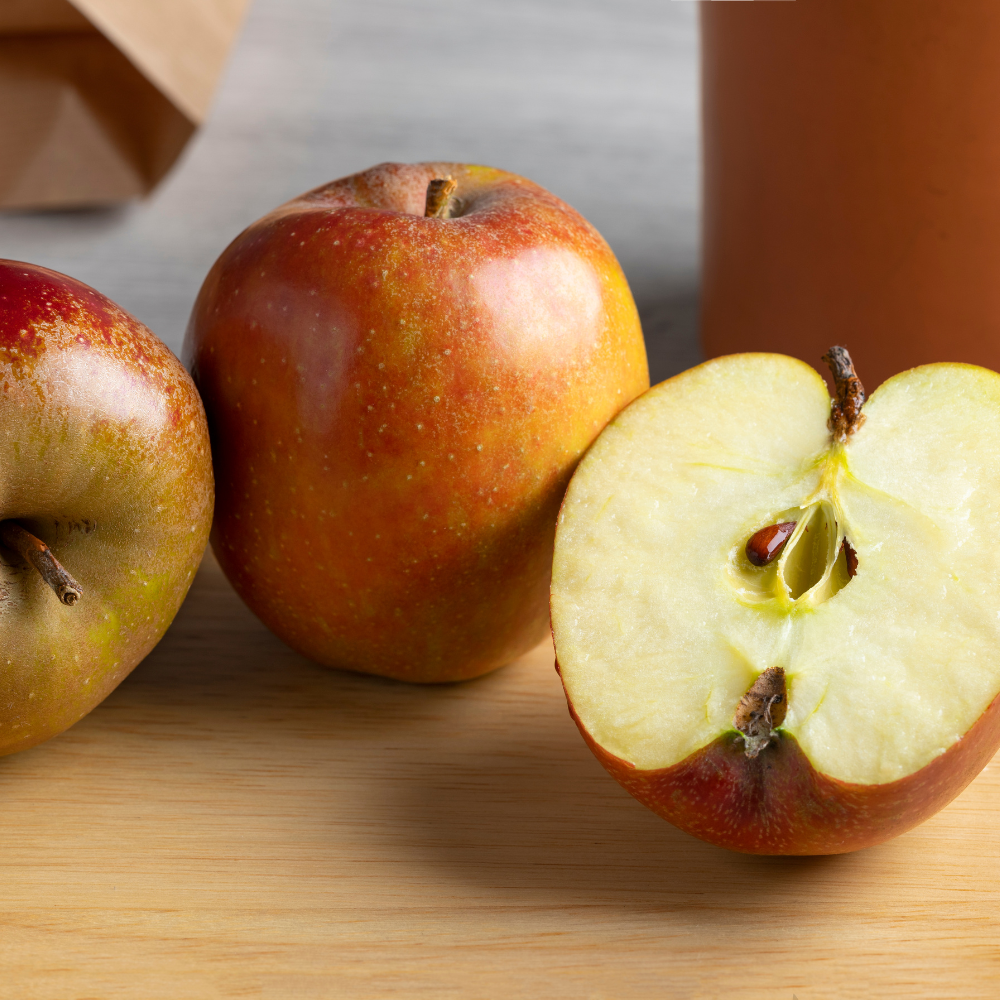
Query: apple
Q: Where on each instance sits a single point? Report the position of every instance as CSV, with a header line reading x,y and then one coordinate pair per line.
x,y
105,498
401,370
810,689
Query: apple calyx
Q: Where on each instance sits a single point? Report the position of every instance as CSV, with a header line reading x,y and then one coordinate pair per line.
x,y
845,411
761,710
35,552
439,193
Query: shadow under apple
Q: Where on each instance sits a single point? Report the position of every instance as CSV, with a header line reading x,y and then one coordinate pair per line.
x,y
485,784
220,663
535,818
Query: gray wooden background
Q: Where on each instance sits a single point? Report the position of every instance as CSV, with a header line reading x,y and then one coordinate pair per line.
x,y
594,99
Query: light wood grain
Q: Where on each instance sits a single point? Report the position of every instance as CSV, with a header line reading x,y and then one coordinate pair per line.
x,y
236,822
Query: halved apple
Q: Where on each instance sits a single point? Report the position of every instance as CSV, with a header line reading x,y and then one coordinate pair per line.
x,y
846,687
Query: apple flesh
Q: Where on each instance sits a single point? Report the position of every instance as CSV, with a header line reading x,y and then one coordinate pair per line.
x,y
882,607
396,404
106,460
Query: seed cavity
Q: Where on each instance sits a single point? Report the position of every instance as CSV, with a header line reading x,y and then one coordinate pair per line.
x,y
811,551
761,710
800,558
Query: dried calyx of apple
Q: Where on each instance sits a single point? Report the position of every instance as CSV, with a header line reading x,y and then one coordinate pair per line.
x,y
776,618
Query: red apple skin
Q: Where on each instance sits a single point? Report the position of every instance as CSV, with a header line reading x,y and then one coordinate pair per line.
x,y
777,803
106,458
396,405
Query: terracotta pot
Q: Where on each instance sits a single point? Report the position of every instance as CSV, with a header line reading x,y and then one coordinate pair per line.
x,y
852,180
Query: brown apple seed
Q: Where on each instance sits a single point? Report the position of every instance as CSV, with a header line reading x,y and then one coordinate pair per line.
x,y
852,558
766,544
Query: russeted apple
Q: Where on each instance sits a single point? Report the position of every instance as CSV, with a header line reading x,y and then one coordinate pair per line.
x,y
777,619
401,370
105,498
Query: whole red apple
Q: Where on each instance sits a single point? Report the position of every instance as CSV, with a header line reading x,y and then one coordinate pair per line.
x,y
400,377
107,480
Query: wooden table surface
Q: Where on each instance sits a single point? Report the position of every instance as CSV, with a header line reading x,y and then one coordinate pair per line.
x,y
236,822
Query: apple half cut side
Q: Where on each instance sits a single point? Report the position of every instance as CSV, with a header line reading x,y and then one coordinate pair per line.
x,y
845,687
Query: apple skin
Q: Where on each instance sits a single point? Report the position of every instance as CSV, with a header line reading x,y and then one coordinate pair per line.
x,y
106,458
777,803
396,405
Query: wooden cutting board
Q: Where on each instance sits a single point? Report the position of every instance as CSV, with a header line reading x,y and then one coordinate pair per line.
x,y
236,822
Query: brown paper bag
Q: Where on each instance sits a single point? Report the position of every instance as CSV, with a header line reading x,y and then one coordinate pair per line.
x,y
98,97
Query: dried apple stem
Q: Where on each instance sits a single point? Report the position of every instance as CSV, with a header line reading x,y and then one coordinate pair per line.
x,y
439,193
36,552
761,710
845,413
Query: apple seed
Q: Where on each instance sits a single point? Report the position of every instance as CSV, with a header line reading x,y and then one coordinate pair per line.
x,y
852,558
34,551
761,710
766,545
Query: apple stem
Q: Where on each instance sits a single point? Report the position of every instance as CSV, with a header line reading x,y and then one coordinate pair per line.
x,y
36,552
845,411
439,193
761,710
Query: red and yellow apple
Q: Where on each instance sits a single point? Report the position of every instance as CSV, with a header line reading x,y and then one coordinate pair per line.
x,y
398,388
106,462
775,690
